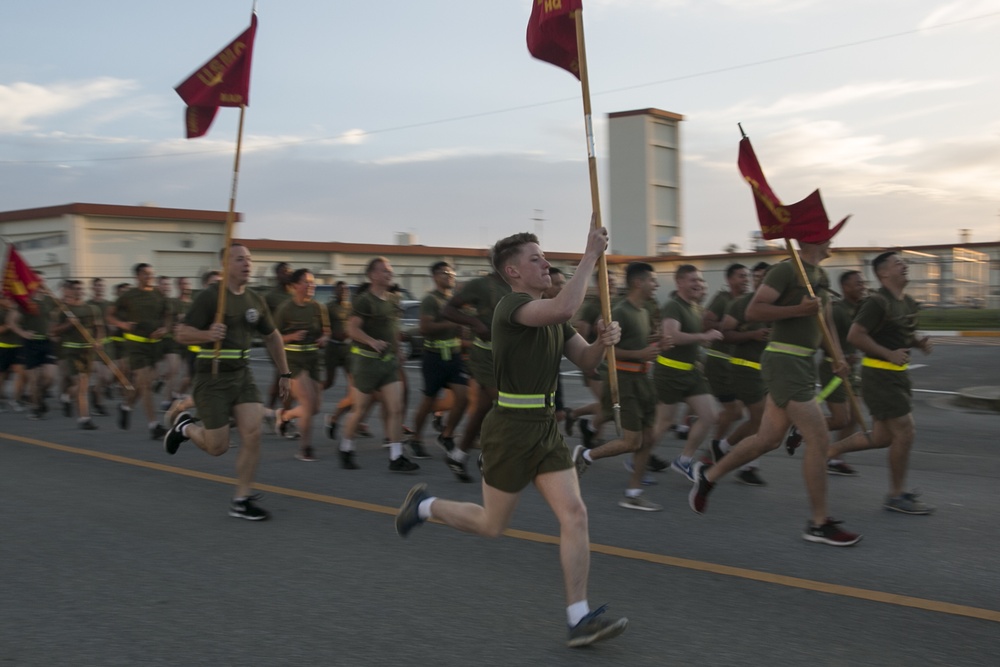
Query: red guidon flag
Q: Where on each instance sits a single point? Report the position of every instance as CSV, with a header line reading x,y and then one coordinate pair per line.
x,y
552,33
224,81
805,221
19,281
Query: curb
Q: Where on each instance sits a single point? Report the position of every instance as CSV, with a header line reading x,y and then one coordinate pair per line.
x,y
962,334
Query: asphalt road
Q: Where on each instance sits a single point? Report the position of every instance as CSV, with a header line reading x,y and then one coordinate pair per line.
x,y
114,553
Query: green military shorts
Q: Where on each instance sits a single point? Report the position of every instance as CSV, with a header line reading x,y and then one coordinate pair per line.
x,y
303,361
674,385
520,445
335,356
216,395
372,374
142,355
719,373
637,398
748,383
481,366
788,377
79,361
887,393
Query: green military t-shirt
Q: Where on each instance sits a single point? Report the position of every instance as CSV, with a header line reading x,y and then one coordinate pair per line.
x,y
379,318
676,308
483,294
636,325
245,315
148,308
784,279
292,317
38,321
431,306
891,322
526,359
338,319
276,296
843,315
718,306
89,317
750,349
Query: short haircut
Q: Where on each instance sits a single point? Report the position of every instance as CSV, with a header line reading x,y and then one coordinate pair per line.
x,y
881,259
373,261
119,287
733,268
279,266
556,271
235,244
139,267
97,281
73,282
339,283
208,275
506,249
636,270
298,274
847,275
685,269
437,266
761,266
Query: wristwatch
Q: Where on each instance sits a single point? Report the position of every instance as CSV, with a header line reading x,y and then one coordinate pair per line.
x,y
287,375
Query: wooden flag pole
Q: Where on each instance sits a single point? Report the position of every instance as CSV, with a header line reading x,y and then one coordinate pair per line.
x,y
220,309
602,265
828,339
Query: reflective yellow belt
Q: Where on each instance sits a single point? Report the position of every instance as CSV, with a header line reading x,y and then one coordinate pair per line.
x,y
209,353
830,387
372,355
443,347
673,363
308,347
9,345
117,339
884,365
77,346
717,354
736,361
525,401
484,344
140,339
788,348
194,348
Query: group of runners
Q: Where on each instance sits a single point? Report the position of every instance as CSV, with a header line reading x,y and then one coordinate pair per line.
x,y
755,389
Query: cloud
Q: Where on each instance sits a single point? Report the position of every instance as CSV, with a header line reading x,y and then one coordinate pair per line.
x,y
963,10
21,103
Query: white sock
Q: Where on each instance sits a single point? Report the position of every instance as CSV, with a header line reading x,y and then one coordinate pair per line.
x,y
835,461
576,611
346,445
153,425
586,456
633,493
458,455
126,408
682,428
395,450
184,429
725,446
424,508
685,459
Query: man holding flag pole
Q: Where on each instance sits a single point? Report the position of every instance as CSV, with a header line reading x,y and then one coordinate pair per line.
x,y
793,296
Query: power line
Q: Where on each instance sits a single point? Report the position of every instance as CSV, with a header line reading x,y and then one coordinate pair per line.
x,y
505,110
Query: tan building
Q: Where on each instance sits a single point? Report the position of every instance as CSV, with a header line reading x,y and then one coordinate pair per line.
x,y
90,240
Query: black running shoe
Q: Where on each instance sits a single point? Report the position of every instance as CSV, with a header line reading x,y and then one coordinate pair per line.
x,y
403,464
246,509
306,454
331,430
67,406
417,448
437,423
830,533
98,410
88,425
593,628
698,496
157,432
124,416
458,467
793,441
174,437
347,461
717,452
656,464
408,516
750,477
447,442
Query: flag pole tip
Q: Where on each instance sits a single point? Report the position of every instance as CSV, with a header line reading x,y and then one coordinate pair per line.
x,y
740,125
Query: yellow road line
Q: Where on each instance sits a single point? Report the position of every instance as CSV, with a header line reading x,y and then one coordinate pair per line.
x,y
540,538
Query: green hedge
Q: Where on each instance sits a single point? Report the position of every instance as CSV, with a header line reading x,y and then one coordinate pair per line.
x,y
959,319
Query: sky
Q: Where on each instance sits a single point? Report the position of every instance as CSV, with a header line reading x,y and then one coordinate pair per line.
x,y
371,118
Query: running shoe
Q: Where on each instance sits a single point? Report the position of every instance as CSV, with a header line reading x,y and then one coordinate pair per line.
x,y
88,425
698,496
717,452
830,533
408,516
750,477
458,467
579,461
594,627
907,503
362,431
639,503
647,479
245,508
306,454
174,437
447,442
686,469
157,431
840,468
347,461
403,464
656,464
437,423
793,441
417,448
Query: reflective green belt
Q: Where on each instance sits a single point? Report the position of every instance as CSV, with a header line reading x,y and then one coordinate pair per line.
x,y
77,346
443,347
673,363
309,347
194,348
788,348
830,387
118,339
884,365
372,355
9,345
736,361
39,337
484,344
209,353
525,401
140,339
718,355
